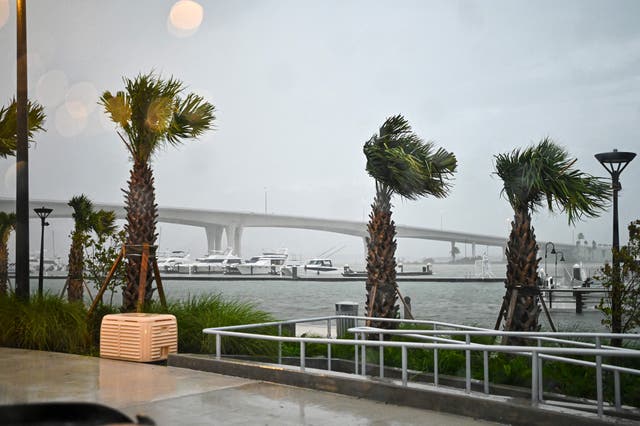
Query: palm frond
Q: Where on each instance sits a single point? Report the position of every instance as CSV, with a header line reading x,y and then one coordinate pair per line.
x,y
82,212
9,125
151,113
401,161
544,175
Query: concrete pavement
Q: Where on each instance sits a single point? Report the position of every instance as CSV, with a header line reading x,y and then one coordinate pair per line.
x,y
177,396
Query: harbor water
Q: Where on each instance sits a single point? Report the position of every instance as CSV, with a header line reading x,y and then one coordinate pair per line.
x,y
471,302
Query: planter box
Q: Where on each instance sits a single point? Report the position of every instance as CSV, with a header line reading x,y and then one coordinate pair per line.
x,y
138,337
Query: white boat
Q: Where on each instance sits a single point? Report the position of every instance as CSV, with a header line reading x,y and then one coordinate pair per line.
x,y
172,261
270,262
320,265
48,265
216,262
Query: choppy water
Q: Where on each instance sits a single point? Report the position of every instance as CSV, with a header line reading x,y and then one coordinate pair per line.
x,y
470,303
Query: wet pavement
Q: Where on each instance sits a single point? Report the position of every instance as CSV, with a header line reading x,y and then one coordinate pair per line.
x,y
177,396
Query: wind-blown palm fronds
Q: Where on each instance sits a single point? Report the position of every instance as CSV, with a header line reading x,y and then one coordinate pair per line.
x,y
8,125
151,114
400,163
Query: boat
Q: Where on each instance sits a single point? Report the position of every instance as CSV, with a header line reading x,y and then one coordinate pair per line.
x,y
216,262
320,265
172,261
426,270
270,262
48,265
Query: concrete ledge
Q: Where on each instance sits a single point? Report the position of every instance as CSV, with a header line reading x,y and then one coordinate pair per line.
x,y
501,409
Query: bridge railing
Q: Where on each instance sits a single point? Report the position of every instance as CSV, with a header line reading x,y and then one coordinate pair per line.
x,y
440,336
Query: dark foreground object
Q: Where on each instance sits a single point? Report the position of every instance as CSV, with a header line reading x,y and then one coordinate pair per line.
x,y
65,414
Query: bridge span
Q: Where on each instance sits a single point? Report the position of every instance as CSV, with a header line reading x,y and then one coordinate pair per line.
x,y
217,222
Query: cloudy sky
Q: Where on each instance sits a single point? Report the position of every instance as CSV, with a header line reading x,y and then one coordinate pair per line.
x,y
299,86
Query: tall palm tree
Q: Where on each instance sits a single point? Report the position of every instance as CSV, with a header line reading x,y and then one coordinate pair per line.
x,y
401,163
86,220
8,125
152,114
534,178
7,223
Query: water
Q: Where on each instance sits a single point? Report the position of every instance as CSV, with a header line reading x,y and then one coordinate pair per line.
x,y
469,303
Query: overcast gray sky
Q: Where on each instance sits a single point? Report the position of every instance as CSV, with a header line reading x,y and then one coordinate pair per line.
x,y
301,85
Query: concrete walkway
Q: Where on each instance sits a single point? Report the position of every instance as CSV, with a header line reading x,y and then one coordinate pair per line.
x,y
177,396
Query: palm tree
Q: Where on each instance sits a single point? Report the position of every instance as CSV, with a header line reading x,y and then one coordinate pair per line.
x,y
86,220
7,223
8,126
536,177
400,163
152,114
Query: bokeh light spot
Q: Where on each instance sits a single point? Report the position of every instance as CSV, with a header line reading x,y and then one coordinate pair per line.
x,y
68,125
81,100
51,88
4,12
185,18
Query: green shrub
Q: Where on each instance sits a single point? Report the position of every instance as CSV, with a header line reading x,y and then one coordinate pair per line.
x,y
207,311
48,324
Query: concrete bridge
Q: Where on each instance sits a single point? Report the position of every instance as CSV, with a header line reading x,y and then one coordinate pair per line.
x,y
217,222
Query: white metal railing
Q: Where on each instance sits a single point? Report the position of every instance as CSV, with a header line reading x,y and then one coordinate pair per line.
x,y
440,338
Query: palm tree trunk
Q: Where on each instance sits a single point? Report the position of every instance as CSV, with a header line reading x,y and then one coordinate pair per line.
x,y
76,266
4,264
522,266
381,264
142,215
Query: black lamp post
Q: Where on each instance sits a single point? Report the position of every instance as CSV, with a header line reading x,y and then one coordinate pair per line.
x,y
555,274
553,251
22,157
615,162
42,213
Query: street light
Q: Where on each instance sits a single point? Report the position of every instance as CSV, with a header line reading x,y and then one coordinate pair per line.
x,y
555,274
615,162
42,213
553,251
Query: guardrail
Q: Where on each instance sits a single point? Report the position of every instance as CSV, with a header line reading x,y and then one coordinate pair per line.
x,y
439,338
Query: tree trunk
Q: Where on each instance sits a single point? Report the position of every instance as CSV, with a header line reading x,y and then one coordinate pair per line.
x,y
4,265
142,215
76,266
522,266
381,264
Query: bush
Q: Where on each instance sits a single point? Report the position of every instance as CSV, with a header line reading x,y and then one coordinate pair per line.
x,y
48,324
206,311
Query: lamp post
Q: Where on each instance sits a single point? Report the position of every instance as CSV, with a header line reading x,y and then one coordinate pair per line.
x,y
553,251
555,274
22,156
615,162
42,213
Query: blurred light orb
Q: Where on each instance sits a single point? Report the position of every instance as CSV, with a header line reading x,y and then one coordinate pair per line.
x,y
68,125
4,12
81,99
52,88
185,18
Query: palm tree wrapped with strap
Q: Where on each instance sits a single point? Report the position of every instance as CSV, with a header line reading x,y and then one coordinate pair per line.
x,y
539,176
152,113
401,163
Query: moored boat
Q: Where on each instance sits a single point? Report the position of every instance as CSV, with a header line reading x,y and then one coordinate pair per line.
x,y
269,263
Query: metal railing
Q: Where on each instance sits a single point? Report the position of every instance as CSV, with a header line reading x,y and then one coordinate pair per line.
x,y
440,337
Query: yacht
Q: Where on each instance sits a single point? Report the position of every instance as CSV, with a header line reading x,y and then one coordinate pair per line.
x,y
320,265
216,262
172,261
270,262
